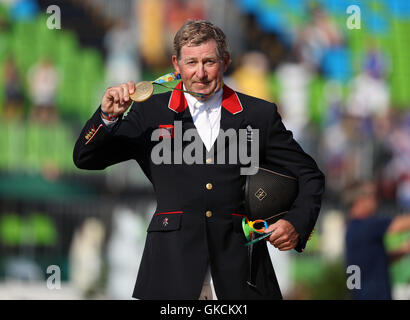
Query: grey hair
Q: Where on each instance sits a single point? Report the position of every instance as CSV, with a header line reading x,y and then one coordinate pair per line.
x,y
196,32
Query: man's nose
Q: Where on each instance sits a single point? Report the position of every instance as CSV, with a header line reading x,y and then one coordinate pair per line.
x,y
200,72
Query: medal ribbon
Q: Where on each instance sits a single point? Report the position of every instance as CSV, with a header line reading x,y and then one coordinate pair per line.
x,y
176,76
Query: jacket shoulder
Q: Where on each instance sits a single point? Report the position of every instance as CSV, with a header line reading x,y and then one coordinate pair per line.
x,y
256,105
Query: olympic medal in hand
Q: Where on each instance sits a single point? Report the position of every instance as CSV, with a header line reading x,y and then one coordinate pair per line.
x,y
143,91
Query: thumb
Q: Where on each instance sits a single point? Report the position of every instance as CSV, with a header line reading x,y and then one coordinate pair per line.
x,y
270,228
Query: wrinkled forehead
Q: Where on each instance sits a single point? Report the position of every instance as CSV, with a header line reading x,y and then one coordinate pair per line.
x,y
206,49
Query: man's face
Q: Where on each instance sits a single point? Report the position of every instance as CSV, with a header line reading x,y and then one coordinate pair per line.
x,y
201,68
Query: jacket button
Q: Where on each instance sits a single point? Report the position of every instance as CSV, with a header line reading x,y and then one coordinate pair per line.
x,y
209,186
208,214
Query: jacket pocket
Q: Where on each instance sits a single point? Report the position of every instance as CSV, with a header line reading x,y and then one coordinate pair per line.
x,y
165,221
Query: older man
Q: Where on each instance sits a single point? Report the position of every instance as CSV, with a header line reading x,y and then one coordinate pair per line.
x,y
196,231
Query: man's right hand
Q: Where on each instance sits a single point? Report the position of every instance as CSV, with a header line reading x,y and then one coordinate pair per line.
x,y
116,100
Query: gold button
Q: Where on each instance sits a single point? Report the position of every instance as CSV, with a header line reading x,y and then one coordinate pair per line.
x,y
209,186
209,160
208,214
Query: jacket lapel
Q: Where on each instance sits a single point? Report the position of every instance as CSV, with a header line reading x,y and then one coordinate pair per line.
x,y
232,116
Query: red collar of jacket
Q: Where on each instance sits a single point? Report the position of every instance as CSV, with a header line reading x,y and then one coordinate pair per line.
x,y
230,100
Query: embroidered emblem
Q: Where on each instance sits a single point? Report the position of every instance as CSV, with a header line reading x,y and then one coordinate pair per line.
x,y
90,133
260,194
165,222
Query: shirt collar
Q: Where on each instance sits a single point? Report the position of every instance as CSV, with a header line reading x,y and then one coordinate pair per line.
x,y
211,104
230,101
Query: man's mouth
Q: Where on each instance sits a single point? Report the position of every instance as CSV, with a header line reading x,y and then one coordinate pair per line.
x,y
202,83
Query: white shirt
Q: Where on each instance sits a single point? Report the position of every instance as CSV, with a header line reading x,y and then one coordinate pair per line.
x,y
198,109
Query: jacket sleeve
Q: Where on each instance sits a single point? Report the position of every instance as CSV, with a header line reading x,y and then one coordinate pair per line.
x,y
283,150
100,146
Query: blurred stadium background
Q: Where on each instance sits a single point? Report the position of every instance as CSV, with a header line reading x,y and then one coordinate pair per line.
x,y
343,92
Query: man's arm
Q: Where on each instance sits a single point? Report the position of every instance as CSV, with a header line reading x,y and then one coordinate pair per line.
x,y
99,144
294,229
399,253
400,223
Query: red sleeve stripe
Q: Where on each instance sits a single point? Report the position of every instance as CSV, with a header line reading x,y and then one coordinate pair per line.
x,y
239,215
171,212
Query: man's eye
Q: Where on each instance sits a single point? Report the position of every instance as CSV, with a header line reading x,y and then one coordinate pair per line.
x,y
210,62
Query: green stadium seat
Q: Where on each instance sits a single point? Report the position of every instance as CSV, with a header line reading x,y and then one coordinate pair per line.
x,y
307,269
5,147
34,147
317,107
11,229
43,230
13,145
400,271
4,45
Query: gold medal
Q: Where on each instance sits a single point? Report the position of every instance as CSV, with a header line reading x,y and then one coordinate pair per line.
x,y
143,91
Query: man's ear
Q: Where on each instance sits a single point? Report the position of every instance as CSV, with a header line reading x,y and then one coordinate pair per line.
x,y
227,61
175,63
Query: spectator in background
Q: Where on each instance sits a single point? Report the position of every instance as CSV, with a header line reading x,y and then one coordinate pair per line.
x,y
122,61
294,77
364,239
251,77
14,97
85,257
398,168
320,34
382,128
176,12
126,239
369,91
43,82
348,151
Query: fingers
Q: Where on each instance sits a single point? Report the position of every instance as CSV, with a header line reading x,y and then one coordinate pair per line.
x,y
131,87
117,99
283,243
286,247
284,236
121,93
275,235
114,94
270,228
277,239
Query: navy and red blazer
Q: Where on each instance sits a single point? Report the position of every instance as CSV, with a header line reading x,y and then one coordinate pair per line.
x,y
194,225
